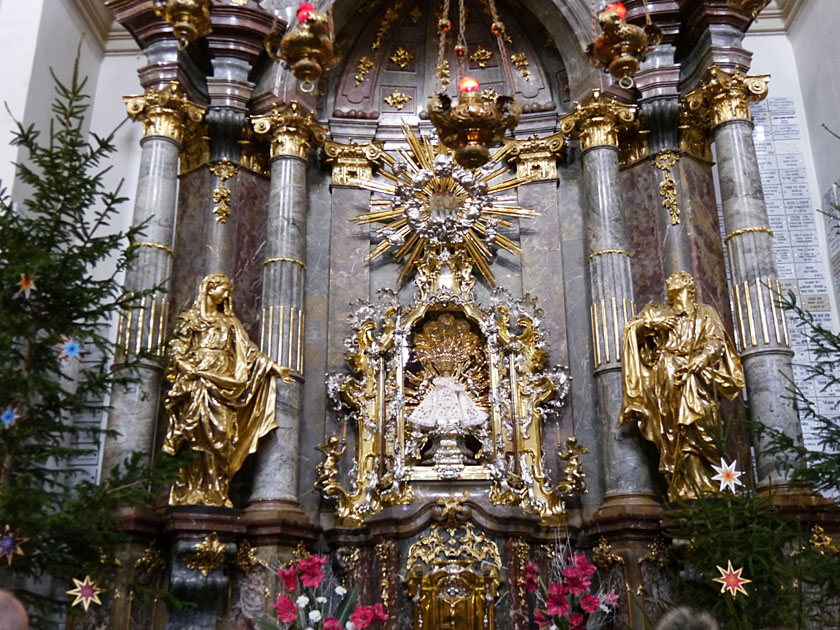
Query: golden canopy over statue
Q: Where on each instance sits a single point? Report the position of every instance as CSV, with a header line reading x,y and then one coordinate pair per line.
x,y
222,397
678,360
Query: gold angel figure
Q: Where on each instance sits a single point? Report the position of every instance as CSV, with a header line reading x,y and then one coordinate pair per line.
x,y
222,397
678,360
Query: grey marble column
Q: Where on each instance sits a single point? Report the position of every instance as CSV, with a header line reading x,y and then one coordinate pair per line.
x,y
764,341
141,328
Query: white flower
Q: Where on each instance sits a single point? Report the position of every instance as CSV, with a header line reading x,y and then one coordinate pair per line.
x,y
350,625
553,627
340,591
314,616
302,601
321,600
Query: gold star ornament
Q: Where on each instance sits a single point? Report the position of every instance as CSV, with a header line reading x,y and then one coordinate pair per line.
x,y
86,592
731,580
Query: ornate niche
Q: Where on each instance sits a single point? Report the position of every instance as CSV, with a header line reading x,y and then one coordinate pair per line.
x,y
445,389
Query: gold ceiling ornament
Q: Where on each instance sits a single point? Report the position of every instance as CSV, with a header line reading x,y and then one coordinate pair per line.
x,y
665,160
434,202
392,15
520,61
397,99
536,158
308,49
364,67
726,96
401,57
351,163
598,121
481,56
428,410
621,47
209,555
190,19
166,111
224,170
750,7
292,128
454,573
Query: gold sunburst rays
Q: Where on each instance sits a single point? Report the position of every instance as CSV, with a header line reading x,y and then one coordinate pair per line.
x,y
432,204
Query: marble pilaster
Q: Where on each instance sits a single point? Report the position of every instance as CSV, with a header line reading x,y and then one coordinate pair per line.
x,y
763,339
165,114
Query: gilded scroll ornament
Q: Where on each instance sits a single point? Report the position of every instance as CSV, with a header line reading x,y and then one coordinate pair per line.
x,y
726,96
678,359
209,555
293,130
443,73
520,62
224,170
481,56
598,121
363,68
536,158
351,163
665,161
397,99
166,112
392,14
401,57
222,397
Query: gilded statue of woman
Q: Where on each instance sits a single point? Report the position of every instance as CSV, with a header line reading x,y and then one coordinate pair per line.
x,y
222,397
678,360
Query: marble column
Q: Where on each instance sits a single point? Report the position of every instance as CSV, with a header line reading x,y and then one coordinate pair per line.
x,y
293,131
597,122
761,327
165,114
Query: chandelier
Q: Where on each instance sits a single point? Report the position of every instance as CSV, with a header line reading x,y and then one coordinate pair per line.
x,y
475,123
309,49
621,47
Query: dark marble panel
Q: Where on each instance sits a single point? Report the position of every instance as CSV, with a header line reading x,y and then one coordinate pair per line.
x,y
640,205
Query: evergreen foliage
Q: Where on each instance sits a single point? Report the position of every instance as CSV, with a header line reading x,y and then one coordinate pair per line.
x,y
58,238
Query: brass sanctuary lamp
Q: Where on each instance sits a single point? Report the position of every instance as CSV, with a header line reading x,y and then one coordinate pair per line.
x,y
621,47
190,19
474,123
309,49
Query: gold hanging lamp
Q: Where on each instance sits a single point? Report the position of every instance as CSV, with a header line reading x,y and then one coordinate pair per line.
x,y
474,124
190,19
309,49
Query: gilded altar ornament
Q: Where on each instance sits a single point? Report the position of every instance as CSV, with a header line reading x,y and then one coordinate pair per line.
x,y
309,49
599,121
293,130
401,57
166,111
363,68
433,201
190,19
397,99
224,170
725,96
621,47
222,397
520,62
209,555
351,163
665,161
481,56
750,7
678,359
536,158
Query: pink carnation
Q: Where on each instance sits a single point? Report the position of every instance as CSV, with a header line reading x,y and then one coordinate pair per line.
x,y
589,603
331,623
286,609
576,621
362,617
312,573
531,582
540,619
557,603
379,613
289,577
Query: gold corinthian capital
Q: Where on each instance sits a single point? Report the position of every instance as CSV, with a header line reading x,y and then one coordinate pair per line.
x,y
352,163
165,111
726,96
293,130
598,121
536,158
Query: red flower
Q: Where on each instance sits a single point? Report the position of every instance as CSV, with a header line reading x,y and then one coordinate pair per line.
x,y
589,603
286,609
531,582
540,619
576,581
331,623
312,574
289,577
362,617
576,621
557,603
379,613
583,566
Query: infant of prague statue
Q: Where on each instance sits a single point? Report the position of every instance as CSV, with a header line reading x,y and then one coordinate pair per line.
x,y
678,359
448,407
222,397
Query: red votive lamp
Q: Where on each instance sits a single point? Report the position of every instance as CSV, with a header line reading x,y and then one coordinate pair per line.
x,y
618,7
304,9
468,84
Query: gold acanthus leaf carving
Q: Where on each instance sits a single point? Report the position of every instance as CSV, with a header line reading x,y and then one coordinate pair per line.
x,y
392,14
598,121
415,14
603,556
364,67
209,555
164,112
520,60
726,96
665,161
401,57
224,170
293,130
397,99
481,56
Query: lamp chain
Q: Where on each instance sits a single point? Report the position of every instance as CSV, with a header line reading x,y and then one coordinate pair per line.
x,y
462,38
444,19
500,41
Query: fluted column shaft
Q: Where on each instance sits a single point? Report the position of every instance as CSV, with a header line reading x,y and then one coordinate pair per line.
x,y
294,131
597,122
763,337
165,114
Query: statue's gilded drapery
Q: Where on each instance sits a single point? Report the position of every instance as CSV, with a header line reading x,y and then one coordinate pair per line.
x,y
678,361
222,397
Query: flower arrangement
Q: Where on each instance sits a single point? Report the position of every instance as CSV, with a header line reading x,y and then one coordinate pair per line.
x,y
567,602
306,603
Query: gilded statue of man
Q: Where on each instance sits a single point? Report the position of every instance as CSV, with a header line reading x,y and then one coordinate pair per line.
x,y
222,397
678,360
